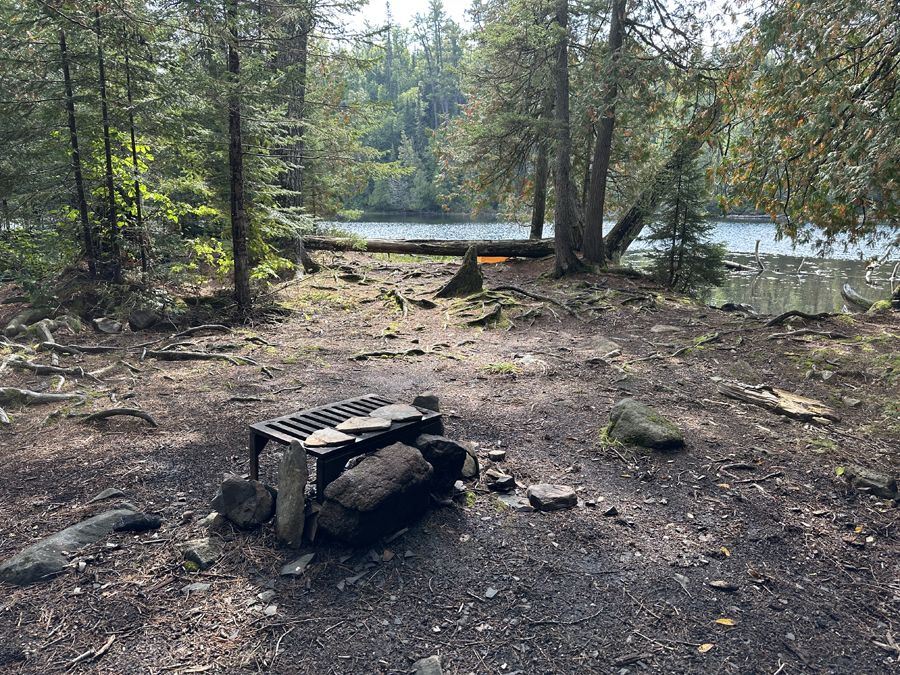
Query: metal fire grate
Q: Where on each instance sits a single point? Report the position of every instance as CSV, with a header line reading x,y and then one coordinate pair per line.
x,y
330,460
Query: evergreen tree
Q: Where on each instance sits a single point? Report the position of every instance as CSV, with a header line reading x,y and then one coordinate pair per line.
x,y
683,258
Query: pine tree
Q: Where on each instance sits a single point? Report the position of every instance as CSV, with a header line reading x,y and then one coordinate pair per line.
x,y
683,258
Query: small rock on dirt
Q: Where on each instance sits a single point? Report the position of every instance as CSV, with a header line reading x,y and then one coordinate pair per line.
x,y
108,493
873,482
429,666
497,455
105,325
196,587
246,503
297,567
638,424
546,497
202,552
427,400
138,522
723,586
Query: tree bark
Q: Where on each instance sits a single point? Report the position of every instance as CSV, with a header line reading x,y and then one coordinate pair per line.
x,y
294,54
630,223
142,237
239,224
76,162
512,248
592,246
112,219
566,260
541,175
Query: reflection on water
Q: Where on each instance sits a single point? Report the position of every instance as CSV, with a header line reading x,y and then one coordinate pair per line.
x,y
814,288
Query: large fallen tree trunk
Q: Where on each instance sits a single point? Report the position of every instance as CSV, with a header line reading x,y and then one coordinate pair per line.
x,y
630,223
510,248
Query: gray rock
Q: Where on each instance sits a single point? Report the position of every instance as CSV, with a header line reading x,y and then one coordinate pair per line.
x,y
397,412
427,400
873,482
384,492
196,587
430,666
108,493
470,466
516,503
329,436
290,509
499,481
48,557
105,325
296,568
138,522
634,423
497,455
446,456
246,503
545,497
362,425
142,319
202,552
213,520
662,328
851,402
603,348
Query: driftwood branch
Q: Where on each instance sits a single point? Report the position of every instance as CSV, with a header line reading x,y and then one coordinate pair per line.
x,y
794,312
13,396
103,414
779,401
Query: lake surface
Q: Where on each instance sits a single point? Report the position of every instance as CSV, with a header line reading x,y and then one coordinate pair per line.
x,y
795,277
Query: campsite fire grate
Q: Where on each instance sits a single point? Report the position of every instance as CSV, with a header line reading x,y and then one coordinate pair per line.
x,y
330,460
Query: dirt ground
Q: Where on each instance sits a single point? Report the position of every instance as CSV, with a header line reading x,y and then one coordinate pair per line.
x,y
754,500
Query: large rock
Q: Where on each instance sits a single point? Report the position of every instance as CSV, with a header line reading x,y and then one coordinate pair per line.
x,y
873,482
48,557
142,319
290,509
634,423
385,491
202,552
545,497
446,456
427,400
470,466
246,503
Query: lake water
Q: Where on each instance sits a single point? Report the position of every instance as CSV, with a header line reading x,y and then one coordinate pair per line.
x,y
795,278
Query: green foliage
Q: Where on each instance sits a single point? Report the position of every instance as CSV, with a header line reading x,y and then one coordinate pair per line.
x,y
682,258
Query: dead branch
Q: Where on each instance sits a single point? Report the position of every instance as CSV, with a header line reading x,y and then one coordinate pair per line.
x,y
197,329
113,366
794,312
13,396
61,349
200,356
38,369
779,401
807,331
92,349
103,414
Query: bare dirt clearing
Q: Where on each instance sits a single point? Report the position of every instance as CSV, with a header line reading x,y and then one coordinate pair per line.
x,y
809,564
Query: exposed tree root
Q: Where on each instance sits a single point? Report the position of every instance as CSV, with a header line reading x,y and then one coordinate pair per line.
x,y
103,414
794,312
13,396
200,356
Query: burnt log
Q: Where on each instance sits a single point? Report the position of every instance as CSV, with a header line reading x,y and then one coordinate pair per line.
x,y
509,248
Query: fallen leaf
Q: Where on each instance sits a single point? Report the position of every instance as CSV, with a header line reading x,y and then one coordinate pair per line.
x,y
723,485
840,471
704,648
727,622
726,551
859,528
723,586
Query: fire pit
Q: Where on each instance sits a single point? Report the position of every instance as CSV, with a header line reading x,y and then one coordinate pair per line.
x,y
330,460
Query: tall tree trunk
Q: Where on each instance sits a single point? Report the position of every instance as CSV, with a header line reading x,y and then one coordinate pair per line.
x,y
630,223
112,219
293,54
566,260
541,174
76,162
139,218
239,225
592,246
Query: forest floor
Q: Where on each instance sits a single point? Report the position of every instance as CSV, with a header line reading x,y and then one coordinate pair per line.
x,y
754,500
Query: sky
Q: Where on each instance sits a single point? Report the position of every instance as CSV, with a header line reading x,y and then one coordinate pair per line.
x,y
403,11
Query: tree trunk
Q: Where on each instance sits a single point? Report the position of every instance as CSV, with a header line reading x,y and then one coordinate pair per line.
x,y
142,236
592,246
76,162
239,224
566,260
112,220
506,248
630,223
539,210
293,54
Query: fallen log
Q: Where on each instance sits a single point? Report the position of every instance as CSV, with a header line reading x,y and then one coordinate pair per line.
x,y
855,302
509,248
779,401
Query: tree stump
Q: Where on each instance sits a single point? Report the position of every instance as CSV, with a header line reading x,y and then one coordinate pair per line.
x,y
466,281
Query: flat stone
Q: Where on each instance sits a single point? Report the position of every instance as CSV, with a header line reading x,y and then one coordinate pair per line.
x,y
295,569
497,455
105,325
325,437
362,425
427,400
196,587
662,328
48,557
851,402
873,482
429,666
138,522
546,497
498,481
516,503
398,412
470,465
108,493
290,507
203,552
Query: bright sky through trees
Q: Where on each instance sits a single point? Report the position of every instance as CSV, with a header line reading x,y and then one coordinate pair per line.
x,y
403,11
